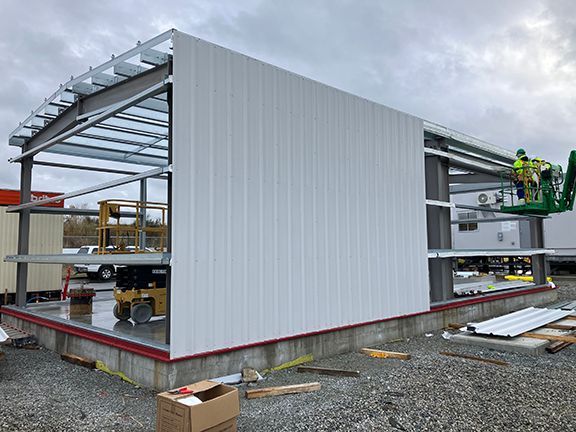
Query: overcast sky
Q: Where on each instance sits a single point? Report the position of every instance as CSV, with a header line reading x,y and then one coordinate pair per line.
x,y
503,71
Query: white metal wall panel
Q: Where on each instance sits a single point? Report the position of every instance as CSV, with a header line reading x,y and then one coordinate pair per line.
x,y
46,237
296,207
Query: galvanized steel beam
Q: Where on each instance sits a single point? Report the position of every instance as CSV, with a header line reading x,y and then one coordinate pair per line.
x,y
110,111
141,47
113,183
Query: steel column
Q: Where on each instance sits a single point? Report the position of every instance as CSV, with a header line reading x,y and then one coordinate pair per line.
x,y
142,222
24,230
169,95
439,226
538,261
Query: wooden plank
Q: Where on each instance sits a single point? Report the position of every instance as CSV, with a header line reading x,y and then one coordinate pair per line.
x,y
554,347
282,390
456,326
328,371
572,317
471,357
385,354
561,338
561,326
80,361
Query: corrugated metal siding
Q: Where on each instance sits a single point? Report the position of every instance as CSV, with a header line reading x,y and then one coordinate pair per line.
x,y
46,237
296,207
516,323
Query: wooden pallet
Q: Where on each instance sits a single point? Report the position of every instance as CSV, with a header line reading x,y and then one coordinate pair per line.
x,y
18,338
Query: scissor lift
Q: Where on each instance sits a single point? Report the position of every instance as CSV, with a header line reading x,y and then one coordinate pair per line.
x,y
140,291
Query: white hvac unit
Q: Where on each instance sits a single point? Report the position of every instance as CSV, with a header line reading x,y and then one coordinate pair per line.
x,y
486,199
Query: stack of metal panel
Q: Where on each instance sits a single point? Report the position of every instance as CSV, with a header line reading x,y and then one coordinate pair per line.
x,y
516,323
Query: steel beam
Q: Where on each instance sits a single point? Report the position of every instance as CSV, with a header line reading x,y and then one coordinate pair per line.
x,y
438,223
465,162
64,133
474,178
123,90
127,259
537,241
489,220
467,188
24,231
109,154
74,211
491,210
113,183
141,47
84,167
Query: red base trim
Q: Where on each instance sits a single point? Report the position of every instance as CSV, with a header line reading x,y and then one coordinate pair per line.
x,y
164,356
136,348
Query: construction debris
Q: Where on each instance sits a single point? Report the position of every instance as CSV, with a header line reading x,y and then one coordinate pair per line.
x,y
554,347
77,360
282,390
249,375
300,360
102,367
471,357
551,337
385,354
18,338
328,371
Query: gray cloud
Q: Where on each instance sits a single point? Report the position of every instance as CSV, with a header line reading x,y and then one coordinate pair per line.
x,y
504,71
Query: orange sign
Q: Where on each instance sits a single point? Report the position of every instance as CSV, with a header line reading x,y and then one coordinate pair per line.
x,y
12,197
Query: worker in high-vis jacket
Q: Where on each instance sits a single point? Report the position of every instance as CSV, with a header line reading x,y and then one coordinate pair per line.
x,y
521,174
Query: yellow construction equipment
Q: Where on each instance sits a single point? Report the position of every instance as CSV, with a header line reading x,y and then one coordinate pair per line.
x,y
140,291
139,304
524,278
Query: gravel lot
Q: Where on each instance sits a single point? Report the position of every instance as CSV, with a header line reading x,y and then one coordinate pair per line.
x,y
430,392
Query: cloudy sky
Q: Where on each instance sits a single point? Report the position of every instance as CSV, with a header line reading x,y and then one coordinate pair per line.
x,y
503,71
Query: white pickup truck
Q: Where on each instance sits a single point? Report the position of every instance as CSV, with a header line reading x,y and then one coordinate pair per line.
x,y
103,272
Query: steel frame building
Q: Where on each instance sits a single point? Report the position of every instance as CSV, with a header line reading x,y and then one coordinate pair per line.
x,y
281,192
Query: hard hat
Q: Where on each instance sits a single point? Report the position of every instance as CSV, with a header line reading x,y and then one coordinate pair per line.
x,y
520,151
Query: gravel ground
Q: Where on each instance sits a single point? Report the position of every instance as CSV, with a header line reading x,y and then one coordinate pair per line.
x,y
430,392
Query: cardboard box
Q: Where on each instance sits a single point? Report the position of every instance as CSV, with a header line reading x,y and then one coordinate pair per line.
x,y
217,413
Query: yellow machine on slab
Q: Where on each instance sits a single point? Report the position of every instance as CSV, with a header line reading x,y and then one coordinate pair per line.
x,y
140,291
139,304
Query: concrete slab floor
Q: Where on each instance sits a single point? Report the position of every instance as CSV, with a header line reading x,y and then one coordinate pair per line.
x,y
103,318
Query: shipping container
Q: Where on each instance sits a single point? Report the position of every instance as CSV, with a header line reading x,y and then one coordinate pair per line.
x,y
46,237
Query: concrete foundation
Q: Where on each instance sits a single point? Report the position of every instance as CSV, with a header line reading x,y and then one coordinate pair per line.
x,y
522,345
153,368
